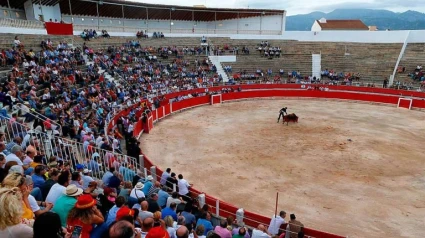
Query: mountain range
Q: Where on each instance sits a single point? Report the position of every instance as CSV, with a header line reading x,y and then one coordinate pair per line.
x,y
383,19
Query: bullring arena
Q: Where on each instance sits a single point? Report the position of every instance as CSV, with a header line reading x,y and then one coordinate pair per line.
x,y
201,89
350,168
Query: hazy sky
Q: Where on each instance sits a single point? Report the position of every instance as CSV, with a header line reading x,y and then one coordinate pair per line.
x,y
302,6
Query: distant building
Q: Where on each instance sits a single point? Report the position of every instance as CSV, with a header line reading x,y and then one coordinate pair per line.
x,y
338,25
373,28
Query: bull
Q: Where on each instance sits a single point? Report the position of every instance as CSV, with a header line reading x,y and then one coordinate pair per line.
x,y
290,118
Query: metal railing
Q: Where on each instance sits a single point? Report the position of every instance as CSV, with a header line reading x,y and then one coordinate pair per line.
x,y
19,23
68,150
41,117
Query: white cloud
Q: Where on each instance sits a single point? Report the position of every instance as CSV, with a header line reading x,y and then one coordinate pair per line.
x,y
301,6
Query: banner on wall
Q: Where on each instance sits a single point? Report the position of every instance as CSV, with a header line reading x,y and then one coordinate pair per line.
x,y
54,28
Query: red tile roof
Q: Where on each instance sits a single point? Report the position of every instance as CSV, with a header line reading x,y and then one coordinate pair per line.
x,y
343,25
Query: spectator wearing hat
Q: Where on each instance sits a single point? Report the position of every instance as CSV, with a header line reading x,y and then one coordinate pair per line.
x,y
86,178
59,188
137,191
293,227
80,168
123,212
148,184
158,231
106,200
66,202
84,214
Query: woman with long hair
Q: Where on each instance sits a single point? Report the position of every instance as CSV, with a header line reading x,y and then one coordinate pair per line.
x,y
83,216
14,180
169,221
11,225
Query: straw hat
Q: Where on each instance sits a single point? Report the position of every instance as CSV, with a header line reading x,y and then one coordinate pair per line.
x,y
72,191
139,186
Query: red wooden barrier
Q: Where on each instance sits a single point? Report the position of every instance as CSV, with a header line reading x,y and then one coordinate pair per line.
x,y
53,28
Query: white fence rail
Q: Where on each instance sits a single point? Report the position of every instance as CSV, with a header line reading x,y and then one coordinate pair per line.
x,y
69,151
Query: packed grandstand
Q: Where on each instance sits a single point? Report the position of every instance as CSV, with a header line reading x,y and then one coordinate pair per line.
x,y
74,107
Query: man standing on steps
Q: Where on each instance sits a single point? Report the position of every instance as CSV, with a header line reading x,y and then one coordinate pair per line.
x,y
282,113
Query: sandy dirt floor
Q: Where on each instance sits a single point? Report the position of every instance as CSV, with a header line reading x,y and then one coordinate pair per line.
x,y
373,186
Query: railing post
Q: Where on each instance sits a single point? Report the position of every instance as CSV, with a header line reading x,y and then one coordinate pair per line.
x,y
153,173
239,216
217,207
141,162
145,170
174,187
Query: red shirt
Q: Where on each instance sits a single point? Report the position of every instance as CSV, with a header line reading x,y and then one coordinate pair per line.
x,y
87,228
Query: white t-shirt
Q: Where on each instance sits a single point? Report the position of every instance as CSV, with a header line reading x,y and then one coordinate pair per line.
x,y
183,187
140,194
259,234
275,224
13,157
175,200
33,204
55,192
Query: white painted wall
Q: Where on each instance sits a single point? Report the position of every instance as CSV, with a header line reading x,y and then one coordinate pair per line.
x,y
49,12
283,22
267,23
316,27
323,36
